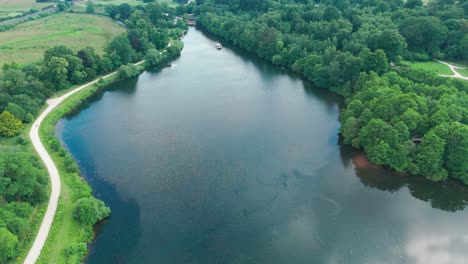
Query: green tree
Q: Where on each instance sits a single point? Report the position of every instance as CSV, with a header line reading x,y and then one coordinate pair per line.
x,y
9,125
392,42
350,130
128,71
89,211
125,10
16,110
8,243
105,65
424,34
153,57
121,47
331,13
413,3
455,135
429,158
90,7
374,61
56,72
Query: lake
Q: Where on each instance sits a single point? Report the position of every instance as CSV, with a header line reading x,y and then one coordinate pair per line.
x,y
224,158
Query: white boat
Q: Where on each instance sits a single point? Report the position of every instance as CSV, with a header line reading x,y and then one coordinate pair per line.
x,y
218,46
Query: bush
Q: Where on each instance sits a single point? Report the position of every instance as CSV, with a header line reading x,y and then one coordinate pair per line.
x,y
128,71
89,211
8,243
75,250
9,125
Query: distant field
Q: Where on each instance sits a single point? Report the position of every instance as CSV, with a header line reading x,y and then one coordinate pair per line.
x,y
130,2
432,66
13,6
27,42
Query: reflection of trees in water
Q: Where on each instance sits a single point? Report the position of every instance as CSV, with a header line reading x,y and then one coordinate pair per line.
x,y
126,87
448,196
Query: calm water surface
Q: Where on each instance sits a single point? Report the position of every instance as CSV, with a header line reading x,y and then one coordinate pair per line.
x,y
223,158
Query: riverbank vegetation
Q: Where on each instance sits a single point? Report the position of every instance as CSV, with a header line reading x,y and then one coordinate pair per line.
x,y
410,120
23,91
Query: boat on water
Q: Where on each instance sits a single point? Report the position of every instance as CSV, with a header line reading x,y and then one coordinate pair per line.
x,y
218,46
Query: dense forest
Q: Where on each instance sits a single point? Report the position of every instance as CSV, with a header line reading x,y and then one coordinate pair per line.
x,y
23,91
411,121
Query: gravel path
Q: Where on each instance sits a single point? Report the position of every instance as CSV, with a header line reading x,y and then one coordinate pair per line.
x,y
453,69
41,237
54,176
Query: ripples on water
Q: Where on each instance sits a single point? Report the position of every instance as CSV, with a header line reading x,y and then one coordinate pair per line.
x,y
223,158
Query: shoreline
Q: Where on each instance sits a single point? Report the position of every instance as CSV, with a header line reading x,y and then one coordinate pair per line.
x,y
53,172
42,135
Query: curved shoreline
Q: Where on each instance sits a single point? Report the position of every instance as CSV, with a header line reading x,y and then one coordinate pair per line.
x,y
46,224
54,176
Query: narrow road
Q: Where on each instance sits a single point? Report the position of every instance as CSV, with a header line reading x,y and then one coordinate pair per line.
x,y
453,69
54,176
41,237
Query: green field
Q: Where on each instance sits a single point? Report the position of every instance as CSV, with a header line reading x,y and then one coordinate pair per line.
x,y
432,66
10,8
21,5
463,72
130,2
27,42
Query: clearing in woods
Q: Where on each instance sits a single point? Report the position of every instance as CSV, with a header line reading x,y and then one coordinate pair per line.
x,y
432,66
26,42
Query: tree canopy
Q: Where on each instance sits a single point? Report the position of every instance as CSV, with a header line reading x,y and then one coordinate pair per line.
x,y
398,116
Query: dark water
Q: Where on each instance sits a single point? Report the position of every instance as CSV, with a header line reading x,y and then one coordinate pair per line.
x,y
223,158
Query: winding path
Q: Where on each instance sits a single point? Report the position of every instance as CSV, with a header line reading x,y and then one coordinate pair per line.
x,y
453,69
54,176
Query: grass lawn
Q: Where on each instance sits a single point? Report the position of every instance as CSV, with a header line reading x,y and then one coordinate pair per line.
x,y
26,42
463,72
432,66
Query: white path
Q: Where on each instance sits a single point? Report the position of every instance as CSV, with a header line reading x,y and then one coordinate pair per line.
x,y
54,176
41,237
453,69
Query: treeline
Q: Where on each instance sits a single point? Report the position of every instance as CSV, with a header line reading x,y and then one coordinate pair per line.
x,y
24,88
408,120
151,35
23,185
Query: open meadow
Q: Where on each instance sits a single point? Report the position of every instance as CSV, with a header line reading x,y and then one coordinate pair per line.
x,y
432,66
16,7
27,42
130,2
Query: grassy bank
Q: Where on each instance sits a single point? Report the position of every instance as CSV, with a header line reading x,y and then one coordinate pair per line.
x,y
67,239
28,41
66,232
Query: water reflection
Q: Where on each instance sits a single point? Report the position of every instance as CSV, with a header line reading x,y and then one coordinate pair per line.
x,y
212,162
127,87
449,196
